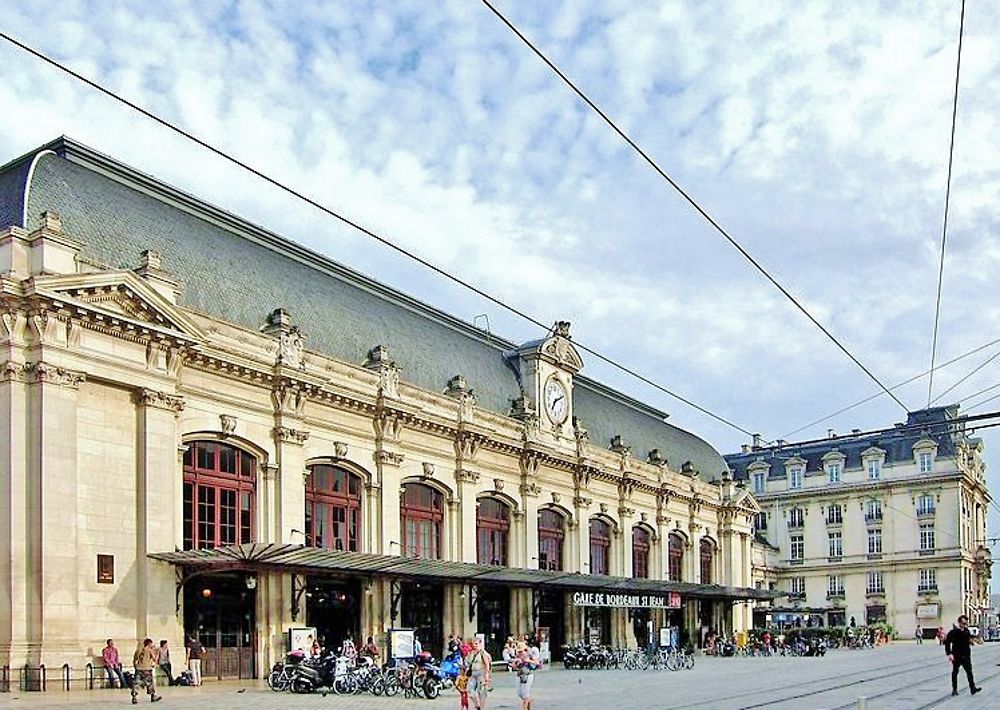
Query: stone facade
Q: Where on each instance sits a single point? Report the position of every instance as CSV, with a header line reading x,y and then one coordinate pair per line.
x,y
108,379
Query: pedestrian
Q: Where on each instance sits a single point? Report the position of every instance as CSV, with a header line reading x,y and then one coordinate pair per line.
x,y
194,652
479,662
509,651
371,649
145,660
940,634
919,633
163,661
525,666
112,665
958,648
417,648
462,686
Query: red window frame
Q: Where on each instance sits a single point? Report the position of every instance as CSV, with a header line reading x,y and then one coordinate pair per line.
x,y
640,552
492,532
333,496
220,486
551,532
421,513
707,553
600,547
675,557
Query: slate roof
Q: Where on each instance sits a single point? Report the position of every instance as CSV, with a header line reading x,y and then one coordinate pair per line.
x,y
897,444
118,212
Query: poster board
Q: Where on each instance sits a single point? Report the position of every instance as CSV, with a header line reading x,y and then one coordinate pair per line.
x,y
301,638
401,643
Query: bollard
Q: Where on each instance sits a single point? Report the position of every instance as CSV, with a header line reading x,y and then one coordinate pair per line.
x,y
862,703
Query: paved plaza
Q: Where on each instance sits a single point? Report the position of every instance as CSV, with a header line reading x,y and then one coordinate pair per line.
x,y
903,676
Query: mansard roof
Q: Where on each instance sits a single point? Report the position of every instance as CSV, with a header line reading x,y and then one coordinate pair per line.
x,y
935,423
238,272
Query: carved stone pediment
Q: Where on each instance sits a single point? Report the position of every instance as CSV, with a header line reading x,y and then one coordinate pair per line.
x,y
116,297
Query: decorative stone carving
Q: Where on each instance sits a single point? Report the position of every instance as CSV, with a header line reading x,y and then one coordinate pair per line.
x,y
339,450
173,361
288,399
73,331
531,489
391,458
604,508
582,501
160,400
498,484
530,463
618,444
467,445
287,435
12,372
46,373
556,497
388,372
227,423
579,432
12,326
656,458
644,517
388,426
581,477
427,469
625,512
687,468
269,471
44,327
465,475
291,343
625,487
663,520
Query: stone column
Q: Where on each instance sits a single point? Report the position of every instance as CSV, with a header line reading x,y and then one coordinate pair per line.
x,y
158,490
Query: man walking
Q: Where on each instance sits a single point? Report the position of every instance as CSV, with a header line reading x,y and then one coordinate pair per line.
x,y
919,634
145,660
958,648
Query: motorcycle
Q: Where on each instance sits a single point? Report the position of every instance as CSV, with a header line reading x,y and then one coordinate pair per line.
x,y
428,678
314,674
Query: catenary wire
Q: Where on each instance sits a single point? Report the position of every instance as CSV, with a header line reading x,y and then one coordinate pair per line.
x,y
691,201
974,370
895,386
984,390
947,202
357,226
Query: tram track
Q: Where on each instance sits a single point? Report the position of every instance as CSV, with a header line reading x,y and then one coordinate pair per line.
x,y
846,681
714,702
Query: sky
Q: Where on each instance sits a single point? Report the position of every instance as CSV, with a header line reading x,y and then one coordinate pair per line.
x,y
816,133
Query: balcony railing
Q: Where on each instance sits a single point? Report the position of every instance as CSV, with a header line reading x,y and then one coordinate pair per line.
x,y
835,594
927,589
796,524
926,512
873,517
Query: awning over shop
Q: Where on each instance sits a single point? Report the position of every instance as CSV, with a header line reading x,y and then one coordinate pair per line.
x,y
298,559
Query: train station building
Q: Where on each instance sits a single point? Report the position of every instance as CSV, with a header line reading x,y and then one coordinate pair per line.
x,y
209,429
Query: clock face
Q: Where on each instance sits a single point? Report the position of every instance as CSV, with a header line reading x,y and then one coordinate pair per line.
x,y
556,401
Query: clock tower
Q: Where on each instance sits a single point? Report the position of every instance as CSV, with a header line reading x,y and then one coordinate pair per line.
x,y
546,369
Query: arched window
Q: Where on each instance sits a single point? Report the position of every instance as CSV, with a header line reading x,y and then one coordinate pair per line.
x,y
675,557
421,512
333,508
640,552
492,532
707,554
600,547
219,489
551,531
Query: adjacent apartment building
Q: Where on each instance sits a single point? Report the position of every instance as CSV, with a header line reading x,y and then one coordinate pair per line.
x,y
886,527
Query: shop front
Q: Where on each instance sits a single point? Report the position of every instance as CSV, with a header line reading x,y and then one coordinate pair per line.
x,y
219,609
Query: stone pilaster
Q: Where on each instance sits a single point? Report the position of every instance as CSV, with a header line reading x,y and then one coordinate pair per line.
x,y
158,489
51,499
14,619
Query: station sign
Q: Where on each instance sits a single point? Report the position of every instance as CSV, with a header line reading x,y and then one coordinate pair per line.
x,y
670,600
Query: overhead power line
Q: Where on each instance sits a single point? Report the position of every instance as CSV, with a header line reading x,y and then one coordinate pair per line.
x,y
974,370
947,201
895,386
691,201
384,241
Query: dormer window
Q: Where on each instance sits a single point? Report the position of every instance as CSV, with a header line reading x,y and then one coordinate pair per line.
x,y
872,458
874,469
759,482
926,461
923,454
833,472
795,477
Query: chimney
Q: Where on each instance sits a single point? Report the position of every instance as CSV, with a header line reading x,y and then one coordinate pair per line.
x,y
745,448
757,441
831,434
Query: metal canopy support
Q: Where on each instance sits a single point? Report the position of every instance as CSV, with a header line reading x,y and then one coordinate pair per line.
x,y
395,594
536,602
298,589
